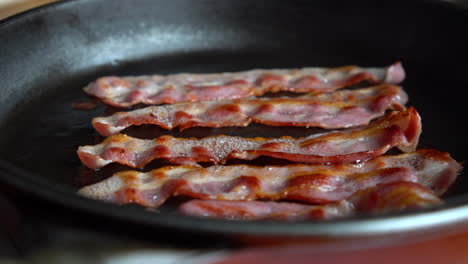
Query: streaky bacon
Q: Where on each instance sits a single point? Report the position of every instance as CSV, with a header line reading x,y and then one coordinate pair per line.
x,y
308,183
342,109
158,89
397,129
391,197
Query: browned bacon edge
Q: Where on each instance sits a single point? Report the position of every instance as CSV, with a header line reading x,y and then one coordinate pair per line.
x,y
396,129
391,197
342,109
307,183
158,89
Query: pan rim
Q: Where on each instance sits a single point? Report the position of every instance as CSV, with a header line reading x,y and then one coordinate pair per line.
x,y
453,212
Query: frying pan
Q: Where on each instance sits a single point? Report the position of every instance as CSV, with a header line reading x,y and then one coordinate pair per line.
x,y
48,54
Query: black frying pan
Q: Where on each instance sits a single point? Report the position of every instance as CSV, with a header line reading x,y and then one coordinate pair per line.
x,y
47,55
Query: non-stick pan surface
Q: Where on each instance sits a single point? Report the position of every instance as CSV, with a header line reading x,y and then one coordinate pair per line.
x,y
49,54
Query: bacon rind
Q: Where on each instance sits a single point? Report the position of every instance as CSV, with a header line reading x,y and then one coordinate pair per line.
x,y
397,129
342,109
391,197
158,89
308,183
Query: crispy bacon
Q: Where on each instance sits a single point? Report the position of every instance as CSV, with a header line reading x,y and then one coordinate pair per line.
x,y
158,89
396,129
308,183
341,109
396,196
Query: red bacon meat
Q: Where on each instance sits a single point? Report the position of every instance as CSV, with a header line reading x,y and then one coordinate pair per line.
x,y
396,129
342,109
159,89
307,183
391,197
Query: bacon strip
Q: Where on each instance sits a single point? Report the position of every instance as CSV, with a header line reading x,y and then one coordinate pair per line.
x,y
158,89
396,196
259,210
341,109
397,129
308,183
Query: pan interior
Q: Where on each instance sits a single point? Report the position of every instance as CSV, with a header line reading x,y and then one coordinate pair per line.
x,y
49,58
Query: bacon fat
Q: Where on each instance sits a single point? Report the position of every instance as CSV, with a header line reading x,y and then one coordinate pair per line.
x,y
342,109
158,89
